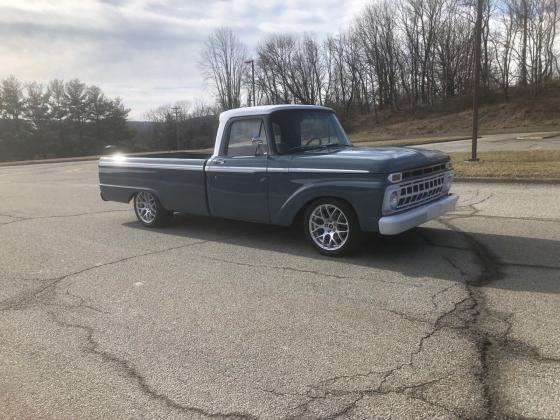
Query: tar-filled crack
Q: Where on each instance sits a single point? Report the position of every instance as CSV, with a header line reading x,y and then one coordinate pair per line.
x,y
37,298
466,315
126,367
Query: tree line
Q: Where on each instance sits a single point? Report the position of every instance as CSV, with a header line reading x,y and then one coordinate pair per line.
x,y
396,53
58,119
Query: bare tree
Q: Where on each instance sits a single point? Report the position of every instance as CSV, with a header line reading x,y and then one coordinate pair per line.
x,y
222,62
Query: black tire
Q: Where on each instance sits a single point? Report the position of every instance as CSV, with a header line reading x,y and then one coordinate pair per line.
x,y
326,231
149,210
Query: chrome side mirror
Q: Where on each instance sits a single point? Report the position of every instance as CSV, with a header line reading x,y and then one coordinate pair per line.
x,y
259,143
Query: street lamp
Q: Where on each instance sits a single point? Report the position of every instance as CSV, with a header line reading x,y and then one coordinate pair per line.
x,y
176,109
253,79
476,87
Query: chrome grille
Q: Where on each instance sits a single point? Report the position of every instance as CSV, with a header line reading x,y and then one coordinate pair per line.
x,y
420,191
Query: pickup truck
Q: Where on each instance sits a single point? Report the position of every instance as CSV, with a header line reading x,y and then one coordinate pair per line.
x,y
283,164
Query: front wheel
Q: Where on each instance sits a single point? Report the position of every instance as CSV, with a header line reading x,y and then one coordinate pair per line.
x,y
332,227
149,210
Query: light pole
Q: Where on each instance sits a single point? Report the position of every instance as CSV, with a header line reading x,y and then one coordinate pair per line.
x,y
476,87
176,109
252,79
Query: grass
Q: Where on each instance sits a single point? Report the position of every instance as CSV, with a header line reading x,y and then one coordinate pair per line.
x,y
536,164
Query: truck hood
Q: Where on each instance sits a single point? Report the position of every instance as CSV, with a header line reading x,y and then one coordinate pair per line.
x,y
379,160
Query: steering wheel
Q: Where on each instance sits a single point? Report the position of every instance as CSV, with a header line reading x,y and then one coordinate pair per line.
x,y
320,140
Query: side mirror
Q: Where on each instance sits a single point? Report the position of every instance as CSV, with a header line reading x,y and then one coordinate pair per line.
x,y
259,143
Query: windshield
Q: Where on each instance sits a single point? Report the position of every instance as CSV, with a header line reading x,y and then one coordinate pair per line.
x,y
296,130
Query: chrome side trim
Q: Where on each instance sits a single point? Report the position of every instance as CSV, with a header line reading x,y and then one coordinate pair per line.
x,y
151,166
235,169
329,171
128,187
279,170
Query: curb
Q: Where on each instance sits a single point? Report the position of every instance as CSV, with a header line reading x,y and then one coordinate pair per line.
x,y
40,161
541,181
384,143
539,136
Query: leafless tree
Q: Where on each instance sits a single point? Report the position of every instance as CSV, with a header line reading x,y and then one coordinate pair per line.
x,y
222,61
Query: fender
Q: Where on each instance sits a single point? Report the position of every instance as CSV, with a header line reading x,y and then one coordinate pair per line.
x,y
365,195
122,193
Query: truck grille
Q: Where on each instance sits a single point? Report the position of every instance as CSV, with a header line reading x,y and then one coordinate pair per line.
x,y
414,193
427,170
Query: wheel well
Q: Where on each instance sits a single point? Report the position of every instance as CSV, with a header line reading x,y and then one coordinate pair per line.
x,y
298,219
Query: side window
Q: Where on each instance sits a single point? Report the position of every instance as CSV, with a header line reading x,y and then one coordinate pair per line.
x,y
241,135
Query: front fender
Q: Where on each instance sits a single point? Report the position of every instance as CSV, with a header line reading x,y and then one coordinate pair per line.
x,y
364,195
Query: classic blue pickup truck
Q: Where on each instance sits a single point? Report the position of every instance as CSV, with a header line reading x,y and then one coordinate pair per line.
x,y
280,164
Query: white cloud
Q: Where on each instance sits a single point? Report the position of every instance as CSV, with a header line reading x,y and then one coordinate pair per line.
x,y
145,51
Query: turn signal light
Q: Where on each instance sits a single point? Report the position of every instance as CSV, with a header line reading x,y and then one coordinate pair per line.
x,y
396,177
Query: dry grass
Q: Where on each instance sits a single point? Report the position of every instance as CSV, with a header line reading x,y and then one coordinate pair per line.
x,y
535,164
521,114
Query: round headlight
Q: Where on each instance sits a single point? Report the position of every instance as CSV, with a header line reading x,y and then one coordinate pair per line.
x,y
394,200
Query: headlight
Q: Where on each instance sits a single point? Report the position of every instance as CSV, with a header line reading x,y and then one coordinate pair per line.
x,y
449,165
448,180
394,200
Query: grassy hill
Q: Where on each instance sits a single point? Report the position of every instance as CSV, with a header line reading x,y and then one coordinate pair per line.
x,y
521,113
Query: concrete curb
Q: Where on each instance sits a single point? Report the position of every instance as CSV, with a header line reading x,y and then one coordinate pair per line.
x,y
385,143
538,136
40,161
490,180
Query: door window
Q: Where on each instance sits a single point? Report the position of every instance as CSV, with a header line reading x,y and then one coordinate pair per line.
x,y
241,135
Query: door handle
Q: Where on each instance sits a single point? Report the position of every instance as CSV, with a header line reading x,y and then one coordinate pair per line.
x,y
218,161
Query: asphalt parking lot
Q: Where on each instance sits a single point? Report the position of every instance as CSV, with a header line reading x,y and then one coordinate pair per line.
x,y
101,318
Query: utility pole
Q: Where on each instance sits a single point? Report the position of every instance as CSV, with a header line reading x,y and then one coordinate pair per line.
x,y
176,109
476,87
253,80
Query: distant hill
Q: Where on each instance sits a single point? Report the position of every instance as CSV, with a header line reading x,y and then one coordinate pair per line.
x,y
521,113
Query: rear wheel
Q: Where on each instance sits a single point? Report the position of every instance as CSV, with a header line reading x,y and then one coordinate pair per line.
x,y
332,227
149,210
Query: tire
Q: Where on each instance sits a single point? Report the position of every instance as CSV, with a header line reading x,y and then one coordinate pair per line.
x,y
332,227
149,210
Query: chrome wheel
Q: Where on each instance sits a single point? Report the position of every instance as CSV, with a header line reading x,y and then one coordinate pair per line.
x,y
146,207
328,227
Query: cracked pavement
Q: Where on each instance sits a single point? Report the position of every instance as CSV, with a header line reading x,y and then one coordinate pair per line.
x,y
101,318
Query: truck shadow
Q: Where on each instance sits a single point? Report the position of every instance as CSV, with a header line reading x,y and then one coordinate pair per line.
x,y
499,261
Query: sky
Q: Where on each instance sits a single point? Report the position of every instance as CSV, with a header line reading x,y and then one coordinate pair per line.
x,y
146,51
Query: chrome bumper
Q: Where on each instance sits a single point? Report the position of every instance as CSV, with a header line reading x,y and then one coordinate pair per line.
x,y
392,225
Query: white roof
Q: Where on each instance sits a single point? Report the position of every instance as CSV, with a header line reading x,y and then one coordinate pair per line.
x,y
266,109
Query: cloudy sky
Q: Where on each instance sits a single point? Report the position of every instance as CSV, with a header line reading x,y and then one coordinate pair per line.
x,y
145,51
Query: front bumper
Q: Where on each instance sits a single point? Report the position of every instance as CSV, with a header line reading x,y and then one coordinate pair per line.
x,y
398,223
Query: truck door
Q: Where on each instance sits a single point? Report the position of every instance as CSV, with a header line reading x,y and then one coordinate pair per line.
x,y
237,177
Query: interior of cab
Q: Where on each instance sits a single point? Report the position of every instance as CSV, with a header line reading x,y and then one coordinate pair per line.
x,y
296,130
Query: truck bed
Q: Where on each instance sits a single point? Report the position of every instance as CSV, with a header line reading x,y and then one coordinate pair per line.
x,y
177,178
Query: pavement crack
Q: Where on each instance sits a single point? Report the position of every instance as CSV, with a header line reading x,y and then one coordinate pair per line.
x,y
56,216
295,270
126,367
28,298
527,265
